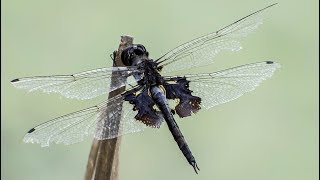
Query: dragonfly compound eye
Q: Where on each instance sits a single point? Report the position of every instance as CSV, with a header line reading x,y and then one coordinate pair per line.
x,y
133,52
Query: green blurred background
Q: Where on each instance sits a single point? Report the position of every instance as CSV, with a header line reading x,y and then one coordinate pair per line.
x,y
270,133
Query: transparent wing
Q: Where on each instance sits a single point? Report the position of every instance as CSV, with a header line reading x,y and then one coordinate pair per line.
x,y
84,85
108,127
74,127
224,86
201,51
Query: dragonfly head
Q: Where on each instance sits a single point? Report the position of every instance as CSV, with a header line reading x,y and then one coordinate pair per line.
x,y
134,55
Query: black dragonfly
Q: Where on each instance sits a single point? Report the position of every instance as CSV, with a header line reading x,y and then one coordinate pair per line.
x,y
152,91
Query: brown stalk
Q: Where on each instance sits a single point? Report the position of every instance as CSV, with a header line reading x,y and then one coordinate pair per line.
x,y
103,161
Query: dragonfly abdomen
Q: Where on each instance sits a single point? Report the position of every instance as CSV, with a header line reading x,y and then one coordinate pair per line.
x,y
160,100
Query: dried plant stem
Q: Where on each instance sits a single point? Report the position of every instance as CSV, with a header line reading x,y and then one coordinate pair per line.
x,y
103,161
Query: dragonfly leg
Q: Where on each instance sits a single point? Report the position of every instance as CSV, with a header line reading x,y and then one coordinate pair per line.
x,y
113,57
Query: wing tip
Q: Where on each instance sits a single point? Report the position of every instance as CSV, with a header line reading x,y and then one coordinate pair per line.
x,y
270,6
273,63
31,130
15,80
274,4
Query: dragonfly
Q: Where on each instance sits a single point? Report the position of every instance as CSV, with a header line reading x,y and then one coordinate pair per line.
x,y
152,94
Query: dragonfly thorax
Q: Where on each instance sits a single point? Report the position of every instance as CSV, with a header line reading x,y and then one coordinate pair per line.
x,y
151,75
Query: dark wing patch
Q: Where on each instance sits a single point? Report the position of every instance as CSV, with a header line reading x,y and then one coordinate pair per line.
x,y
144,104
178,88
